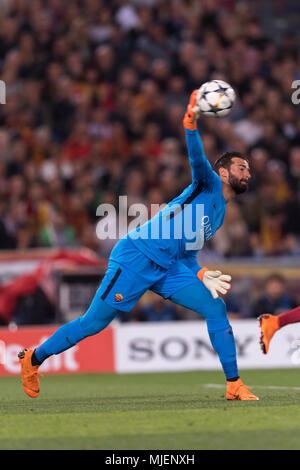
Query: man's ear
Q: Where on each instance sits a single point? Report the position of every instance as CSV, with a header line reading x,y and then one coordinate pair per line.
x,y
223,173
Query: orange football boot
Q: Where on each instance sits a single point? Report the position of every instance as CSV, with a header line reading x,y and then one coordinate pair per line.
x,y
190,118
238,391
29,374
269,324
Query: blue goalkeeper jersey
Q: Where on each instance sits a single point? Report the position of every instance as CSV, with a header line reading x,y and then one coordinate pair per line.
x,y
181,228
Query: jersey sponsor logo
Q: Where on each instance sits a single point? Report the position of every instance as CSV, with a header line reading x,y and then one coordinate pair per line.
x,y
207,227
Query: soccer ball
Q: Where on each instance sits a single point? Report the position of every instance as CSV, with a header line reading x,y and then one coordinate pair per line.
x,y
215,98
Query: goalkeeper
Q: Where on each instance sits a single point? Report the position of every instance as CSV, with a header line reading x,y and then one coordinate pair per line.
x,y
161,256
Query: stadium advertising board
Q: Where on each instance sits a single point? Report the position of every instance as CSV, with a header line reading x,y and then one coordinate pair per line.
x,y
179,346
94,354
152,347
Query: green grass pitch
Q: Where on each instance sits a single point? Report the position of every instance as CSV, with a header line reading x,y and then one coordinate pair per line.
x,y
161,411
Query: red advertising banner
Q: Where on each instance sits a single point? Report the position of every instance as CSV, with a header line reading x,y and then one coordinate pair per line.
x,y
94,354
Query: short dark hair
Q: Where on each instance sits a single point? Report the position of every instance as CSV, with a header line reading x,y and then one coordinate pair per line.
x,y
225,160
275,277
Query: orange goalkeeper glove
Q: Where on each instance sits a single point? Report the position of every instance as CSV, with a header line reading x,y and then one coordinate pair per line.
x,y
192,113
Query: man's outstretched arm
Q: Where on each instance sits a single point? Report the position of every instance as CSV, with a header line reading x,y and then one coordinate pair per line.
x,y
201,168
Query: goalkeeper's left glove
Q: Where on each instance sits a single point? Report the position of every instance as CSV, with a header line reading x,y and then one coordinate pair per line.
x,y
215,281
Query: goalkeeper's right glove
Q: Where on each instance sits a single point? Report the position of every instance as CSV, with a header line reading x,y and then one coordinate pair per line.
x,y
192,113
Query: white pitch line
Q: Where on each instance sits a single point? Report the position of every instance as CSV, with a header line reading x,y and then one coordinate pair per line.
x,y
269,387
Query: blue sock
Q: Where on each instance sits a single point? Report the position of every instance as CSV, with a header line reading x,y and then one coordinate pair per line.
x,y
97,317
224,344
196,297
64,338
40,354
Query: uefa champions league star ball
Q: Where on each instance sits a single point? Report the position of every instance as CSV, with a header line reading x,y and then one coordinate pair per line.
x,y
215,98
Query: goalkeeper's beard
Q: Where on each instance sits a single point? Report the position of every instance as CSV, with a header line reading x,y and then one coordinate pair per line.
x,y
238,186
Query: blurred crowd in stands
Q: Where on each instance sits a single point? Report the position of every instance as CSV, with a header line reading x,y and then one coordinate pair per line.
x,y
96,93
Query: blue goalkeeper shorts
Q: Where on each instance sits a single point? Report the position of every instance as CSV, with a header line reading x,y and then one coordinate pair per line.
x,y
130,274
